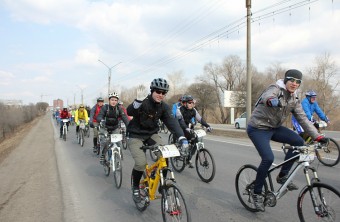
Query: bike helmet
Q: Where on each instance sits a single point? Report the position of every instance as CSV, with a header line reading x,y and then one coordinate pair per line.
x,y
187,98
81,106
100,99
64,107
113,94
160,84
311,93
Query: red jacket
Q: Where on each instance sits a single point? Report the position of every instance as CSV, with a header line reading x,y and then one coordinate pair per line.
x,y
64,115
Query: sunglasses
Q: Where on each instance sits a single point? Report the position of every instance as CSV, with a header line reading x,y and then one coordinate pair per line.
x,y
292,79
190,102
160,92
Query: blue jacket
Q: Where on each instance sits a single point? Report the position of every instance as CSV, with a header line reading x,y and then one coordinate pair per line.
x,y
310,108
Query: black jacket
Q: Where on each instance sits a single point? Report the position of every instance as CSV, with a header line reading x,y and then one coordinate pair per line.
x,y
146,115
112,115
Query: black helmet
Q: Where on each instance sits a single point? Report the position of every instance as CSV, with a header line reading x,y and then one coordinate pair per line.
x,y
160,84
100,99
187,98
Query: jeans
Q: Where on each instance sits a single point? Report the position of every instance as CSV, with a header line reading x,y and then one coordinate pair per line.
x,y
261,139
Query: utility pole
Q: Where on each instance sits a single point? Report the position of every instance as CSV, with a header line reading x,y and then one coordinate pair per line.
x,y
249,74
109,74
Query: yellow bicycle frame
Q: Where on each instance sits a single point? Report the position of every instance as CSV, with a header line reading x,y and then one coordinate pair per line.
x,y
159,165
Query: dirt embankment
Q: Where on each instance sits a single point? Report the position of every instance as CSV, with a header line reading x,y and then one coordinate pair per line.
x,y
12,141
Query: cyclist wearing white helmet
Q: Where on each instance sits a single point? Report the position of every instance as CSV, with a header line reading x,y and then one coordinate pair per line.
x,y
93,120
110,114
143,127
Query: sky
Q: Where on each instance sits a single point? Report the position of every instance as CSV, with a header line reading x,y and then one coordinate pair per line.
x,y
50,49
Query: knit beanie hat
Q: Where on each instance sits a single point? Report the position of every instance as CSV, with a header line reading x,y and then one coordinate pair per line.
x,y
292,73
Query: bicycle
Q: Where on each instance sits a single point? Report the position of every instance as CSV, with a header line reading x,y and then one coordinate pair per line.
x,y
113,158
64,128
323,201
329,155
124,137
87,131
162,127
80,135
173,204
204,161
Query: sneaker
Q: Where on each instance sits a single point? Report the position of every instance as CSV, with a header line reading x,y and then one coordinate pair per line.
x,y
102,159
136,195
258,201
282,180
189,162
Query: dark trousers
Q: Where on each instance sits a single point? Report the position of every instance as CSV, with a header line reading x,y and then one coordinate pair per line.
x,y
261,139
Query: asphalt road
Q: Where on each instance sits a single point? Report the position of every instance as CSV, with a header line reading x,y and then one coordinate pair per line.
x,y
48,179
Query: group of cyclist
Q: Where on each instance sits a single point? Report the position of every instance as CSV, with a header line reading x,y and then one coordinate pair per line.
x,y
266,123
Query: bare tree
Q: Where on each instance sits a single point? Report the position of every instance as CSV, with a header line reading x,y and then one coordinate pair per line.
x,y
203,92
232,71
324,81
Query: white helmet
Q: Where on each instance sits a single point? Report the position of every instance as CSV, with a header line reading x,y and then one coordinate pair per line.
x,y
113,94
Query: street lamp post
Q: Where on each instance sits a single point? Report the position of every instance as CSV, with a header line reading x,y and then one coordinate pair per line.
x,y
110,70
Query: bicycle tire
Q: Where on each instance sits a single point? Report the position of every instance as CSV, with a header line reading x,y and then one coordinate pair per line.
x,y
64,137
144,194
117,173
81,138
205,169
124,143
171,139
330,155
328,203
244,183
173,205
154,158
107,163
178,163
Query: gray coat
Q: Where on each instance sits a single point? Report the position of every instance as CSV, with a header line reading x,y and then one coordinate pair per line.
x,y
266,117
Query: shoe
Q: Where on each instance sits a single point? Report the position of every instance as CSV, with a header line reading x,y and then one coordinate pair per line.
x,y
189,162
258,201
282,180
136,195
102,159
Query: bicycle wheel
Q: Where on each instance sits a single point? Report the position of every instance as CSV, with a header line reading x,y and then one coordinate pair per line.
x,y
172,139
124,143
108,163
205,165
81,135
153,156
178,163
117,173
173,204
327,203
329,155
64,134
144,194
244,184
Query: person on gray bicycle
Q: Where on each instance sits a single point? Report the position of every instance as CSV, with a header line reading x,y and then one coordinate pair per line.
x,y
143,128
94,122
188,116
110,114
270,112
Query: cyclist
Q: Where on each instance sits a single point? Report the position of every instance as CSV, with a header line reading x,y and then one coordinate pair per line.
x,y
93,121
64,114
310,105
143,128
187,116
110,115
80,114
175,106
271,110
